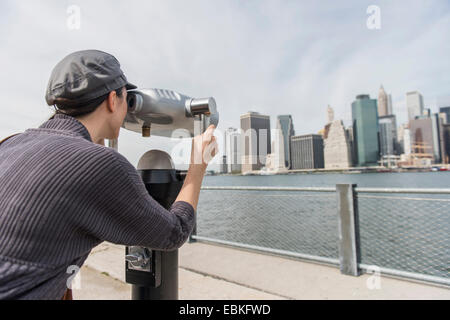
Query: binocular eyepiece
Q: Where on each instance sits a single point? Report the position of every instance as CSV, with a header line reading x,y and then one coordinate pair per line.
x,y
163,111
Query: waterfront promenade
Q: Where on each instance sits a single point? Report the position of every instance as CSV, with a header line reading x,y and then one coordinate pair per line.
x,y
208,271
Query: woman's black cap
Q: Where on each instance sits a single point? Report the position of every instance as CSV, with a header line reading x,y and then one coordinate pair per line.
x,y
84,76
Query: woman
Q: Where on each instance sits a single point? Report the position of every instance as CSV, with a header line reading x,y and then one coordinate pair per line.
x,y
62,193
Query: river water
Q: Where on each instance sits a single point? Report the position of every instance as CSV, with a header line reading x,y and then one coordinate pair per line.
x,y
374,180
407,232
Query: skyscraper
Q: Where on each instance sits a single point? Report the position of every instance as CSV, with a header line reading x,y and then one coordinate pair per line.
x,y
388,135
275,161
233,150
427,137
307,151
414,104
390,107
286,125
365,131
255,141
383,109
223,165
337,153
446,129
439,137
351,141
404,139
330,114
407,141
446,112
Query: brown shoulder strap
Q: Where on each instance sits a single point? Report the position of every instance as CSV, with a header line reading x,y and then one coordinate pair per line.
x,y
8,138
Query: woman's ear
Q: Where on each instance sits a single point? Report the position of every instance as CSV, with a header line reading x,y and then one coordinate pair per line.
x,y
111,105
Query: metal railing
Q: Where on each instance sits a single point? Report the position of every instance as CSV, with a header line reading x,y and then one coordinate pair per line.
x,y
398,232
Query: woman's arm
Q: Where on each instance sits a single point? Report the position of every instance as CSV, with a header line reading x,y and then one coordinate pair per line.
x,y
204,148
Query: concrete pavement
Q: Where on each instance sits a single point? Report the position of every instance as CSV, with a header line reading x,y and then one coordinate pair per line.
x,y
219,272
103,278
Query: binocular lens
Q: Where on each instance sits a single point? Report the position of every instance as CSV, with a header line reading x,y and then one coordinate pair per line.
x,y
131,100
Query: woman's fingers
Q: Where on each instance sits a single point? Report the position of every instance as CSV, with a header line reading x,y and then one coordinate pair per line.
x,y
210,146
209,134
210,150
211,128
204,147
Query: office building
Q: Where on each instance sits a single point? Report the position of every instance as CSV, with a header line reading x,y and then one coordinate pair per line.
x,y
337,152
404,140
275,161
446,130
414,104
286,125
233,150
446,112
351,142
382,103
255,141
390,106
307,152
365,131
443,116
427,138
439,138
388,135
223,165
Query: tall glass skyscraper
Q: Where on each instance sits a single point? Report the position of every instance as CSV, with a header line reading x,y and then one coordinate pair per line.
x,y
285,124
388,135
365,131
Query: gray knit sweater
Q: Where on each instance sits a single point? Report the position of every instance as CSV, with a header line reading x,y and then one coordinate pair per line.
x,y
60,196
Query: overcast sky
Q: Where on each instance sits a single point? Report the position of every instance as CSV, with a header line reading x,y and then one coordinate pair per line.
x,y
274,57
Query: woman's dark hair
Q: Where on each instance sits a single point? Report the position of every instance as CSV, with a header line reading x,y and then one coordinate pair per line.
x,y
82,109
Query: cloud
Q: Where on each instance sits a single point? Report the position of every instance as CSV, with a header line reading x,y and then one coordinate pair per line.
x,y
274,57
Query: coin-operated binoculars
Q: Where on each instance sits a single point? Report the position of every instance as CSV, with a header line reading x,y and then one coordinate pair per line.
x,y
160,112
154,274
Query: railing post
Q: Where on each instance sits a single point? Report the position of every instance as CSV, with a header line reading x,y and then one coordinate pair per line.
x,y
349,245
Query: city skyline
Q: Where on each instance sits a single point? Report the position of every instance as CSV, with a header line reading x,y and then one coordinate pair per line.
x,y
348,122
371,139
